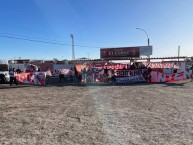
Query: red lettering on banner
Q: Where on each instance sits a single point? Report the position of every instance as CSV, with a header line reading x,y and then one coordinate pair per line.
x,y
159,65
160,77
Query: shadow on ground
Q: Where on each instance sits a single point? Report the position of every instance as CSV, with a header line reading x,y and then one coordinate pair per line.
x,y
7,86
63,84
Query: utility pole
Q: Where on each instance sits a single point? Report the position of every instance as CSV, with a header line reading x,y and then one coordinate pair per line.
x,y
178,53
73,53
88,54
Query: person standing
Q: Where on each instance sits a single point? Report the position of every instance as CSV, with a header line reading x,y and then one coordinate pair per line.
x,y
109,75
149,70
72,73
18,70
12,75
192,73
48,74
113,78
61,76
105,71
89,75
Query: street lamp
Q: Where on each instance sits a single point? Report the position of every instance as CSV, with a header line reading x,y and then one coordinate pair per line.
x,y
73,54
145,33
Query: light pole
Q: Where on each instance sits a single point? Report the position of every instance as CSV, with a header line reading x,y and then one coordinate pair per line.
x,y
178,53
146,35
88,54
73,54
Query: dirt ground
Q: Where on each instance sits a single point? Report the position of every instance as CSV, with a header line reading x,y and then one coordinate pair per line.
x,y
136,114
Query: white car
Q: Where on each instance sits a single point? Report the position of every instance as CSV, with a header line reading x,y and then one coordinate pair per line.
x,y
4,77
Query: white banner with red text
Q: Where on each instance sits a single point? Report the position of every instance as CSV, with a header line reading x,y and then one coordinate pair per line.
x,y
161,77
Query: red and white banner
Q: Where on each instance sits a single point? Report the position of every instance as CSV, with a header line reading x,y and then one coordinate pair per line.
x,y
37,78
161,77
60,71
160,65
131,79
115,66
30,68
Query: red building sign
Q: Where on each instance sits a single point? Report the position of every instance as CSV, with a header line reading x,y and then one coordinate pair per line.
x,y
110,53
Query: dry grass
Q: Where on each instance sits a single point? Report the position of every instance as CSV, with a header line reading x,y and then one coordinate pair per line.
x,y
140,114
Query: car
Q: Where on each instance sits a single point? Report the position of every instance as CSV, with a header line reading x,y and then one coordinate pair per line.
x,y
4,77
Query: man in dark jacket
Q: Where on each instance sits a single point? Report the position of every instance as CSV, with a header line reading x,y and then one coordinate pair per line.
x,y
12,75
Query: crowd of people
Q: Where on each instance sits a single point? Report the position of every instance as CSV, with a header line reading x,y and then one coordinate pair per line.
x,y
90,74
71,76
87,74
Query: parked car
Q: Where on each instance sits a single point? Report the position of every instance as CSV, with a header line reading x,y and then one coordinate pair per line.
x,y
4,77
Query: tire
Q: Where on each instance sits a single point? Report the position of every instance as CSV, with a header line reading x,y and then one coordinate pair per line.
x,y
2,79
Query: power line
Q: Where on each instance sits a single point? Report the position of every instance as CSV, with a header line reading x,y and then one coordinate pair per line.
x,y
52,40
42,41
33,40
31,37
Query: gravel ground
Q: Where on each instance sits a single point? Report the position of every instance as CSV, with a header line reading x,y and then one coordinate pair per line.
x,y
137,114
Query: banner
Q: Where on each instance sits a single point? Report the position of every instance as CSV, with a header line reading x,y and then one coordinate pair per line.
x,y
161,65
115,66
126,73
110,53
161,77
131,79
60,71
30,68
125,52
37,78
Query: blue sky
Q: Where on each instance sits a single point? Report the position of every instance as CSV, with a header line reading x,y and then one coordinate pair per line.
x,y
94,23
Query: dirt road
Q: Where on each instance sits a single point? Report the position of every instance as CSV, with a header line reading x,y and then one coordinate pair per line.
x,y
140,114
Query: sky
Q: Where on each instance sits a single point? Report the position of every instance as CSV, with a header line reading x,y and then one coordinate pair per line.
x,y
40,29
